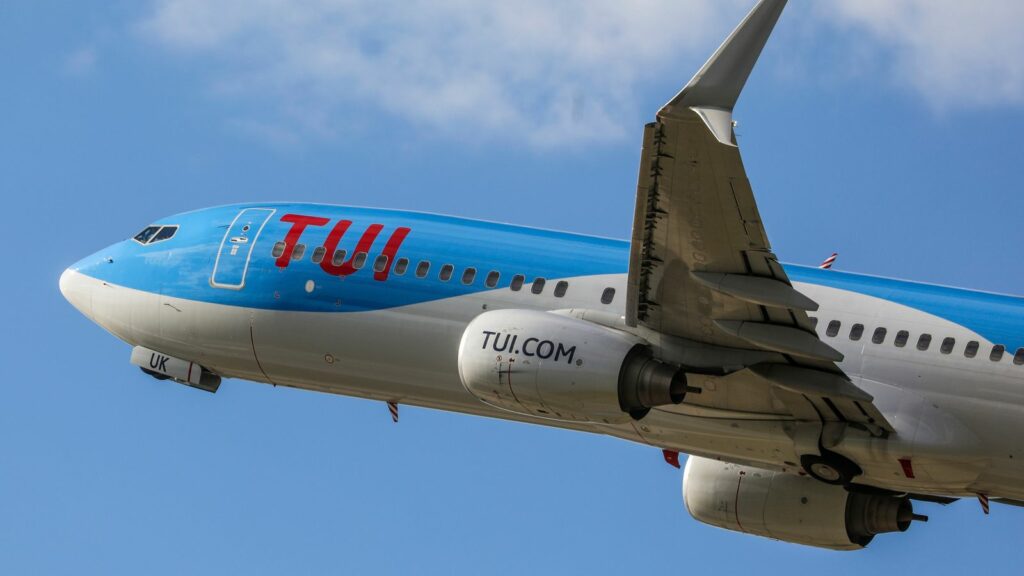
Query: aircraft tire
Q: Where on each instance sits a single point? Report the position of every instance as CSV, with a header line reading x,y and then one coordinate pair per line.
x,y
830,468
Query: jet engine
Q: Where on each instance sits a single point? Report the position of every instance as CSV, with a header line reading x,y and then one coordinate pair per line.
x,y
788,507
553,366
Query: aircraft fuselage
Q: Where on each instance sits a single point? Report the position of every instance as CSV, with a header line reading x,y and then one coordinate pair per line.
x,y
373,304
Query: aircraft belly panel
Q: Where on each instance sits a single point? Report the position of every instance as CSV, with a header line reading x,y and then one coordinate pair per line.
x,y
409,354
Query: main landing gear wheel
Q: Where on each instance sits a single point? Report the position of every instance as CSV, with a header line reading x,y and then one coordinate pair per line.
x,y
830,468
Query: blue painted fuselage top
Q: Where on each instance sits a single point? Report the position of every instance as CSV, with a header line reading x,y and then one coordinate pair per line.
x,y
184,265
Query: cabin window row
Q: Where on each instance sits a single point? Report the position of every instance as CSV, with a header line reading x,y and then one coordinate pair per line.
x,y
380,263
924,341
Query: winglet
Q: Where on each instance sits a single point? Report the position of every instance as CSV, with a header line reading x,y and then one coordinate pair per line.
x,y
713,91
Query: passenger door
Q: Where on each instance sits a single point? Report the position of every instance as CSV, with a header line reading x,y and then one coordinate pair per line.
x,y
236,248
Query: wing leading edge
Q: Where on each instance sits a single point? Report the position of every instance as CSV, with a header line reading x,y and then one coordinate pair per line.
x,y
701,267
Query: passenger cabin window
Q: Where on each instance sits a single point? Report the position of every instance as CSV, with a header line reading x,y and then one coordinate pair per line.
x,y
997,353
833,328
359,260
318,254
517,282
380,263
165,233
422,268
947,345
468,275
278,249
538,286
608,295
492,278
339,257
560,288
924,341
401,265
298,252
901,338
972,349
446,272
879,336
1018,358
856,332
147,234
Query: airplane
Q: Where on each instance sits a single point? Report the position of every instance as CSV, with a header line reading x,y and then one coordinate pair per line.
x,y
815,406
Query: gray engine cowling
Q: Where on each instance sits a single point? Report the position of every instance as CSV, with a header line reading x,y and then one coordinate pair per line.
x,y
552,366
788,507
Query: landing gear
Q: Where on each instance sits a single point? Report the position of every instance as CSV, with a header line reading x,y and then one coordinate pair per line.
x,y
830,468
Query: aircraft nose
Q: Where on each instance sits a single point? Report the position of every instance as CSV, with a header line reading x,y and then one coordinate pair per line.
x,y
76,290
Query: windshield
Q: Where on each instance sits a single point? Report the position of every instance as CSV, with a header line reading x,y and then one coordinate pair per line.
x,y
151,234
147,234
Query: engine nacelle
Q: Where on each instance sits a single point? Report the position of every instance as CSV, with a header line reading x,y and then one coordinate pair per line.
x,y
553,366
788,507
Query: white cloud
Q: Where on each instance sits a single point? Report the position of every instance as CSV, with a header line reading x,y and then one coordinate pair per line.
x,y
547,72
955,53
80,62
544,72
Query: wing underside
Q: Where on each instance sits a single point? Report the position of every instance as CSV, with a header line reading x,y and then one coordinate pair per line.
x,y
701,267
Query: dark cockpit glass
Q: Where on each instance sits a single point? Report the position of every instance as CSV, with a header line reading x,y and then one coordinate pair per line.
x,y
165,233
147,234
153,234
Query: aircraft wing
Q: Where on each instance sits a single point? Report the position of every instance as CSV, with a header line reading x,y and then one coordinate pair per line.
x,y
701,267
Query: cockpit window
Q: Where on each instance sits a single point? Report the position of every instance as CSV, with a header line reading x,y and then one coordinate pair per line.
x,y
147,234
165,233
153,234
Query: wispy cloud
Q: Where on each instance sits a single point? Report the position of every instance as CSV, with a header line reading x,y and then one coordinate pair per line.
x,y
543,72
954,53
80,62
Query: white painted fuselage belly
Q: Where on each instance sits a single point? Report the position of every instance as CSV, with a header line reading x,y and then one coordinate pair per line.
x,y
957,419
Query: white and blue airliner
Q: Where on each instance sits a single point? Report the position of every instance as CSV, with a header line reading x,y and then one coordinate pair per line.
x,y
816,405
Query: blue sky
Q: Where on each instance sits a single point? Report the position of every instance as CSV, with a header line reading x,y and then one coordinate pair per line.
x,y
887,131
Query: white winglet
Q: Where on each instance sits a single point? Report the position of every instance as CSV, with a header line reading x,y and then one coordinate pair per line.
x,y
713,91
